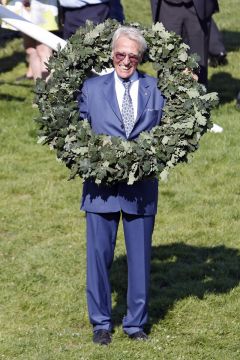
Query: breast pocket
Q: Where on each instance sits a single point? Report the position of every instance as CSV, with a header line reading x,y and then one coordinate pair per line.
x,y
152,116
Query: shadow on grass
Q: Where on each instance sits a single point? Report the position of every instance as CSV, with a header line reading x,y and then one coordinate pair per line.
x,y
7,97
226,86
177,272
23,83
10,62
7,35
231,40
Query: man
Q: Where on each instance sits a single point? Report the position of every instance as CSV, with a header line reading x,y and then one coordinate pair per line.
x,y
123,103
190,19
77,12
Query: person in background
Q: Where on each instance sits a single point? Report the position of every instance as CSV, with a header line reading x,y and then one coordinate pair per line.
x,y
77,12
123,103
217,54
45,14
190,19
217,50
116,11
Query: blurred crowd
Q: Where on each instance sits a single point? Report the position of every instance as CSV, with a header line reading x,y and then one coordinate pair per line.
x,y
191,19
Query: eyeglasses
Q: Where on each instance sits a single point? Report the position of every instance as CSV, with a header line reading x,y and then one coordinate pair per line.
x,y
121,56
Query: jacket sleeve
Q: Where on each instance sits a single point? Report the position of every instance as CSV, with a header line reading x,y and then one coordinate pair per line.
x,y
83,103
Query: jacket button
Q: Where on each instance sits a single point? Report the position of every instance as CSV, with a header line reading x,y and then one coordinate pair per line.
x,y
122,126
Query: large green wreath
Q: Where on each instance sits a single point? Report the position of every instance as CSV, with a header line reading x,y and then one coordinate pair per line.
x,y
109,159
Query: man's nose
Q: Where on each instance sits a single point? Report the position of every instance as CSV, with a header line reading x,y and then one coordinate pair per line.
x,y
126,60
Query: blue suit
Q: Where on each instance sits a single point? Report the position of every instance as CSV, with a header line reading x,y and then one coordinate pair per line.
x,y
103,205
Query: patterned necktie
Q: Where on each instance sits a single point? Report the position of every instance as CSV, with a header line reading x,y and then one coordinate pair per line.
x,y
127,109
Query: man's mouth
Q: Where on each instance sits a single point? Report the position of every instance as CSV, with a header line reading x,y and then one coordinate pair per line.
x,y
125,68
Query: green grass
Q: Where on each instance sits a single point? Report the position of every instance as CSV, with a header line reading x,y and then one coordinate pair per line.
x,y
194,307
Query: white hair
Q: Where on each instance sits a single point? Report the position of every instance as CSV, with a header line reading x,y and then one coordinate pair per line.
x,y
132,34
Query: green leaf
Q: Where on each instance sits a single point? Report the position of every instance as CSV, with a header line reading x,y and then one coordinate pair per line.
x,y
110,159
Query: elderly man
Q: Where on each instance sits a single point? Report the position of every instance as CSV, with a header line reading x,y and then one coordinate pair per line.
x,y
123,103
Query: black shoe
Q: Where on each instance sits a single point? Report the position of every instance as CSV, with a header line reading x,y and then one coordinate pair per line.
x,y
219,59
139,335
102,337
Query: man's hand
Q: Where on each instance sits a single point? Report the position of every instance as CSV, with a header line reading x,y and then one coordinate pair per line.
x,y
187,71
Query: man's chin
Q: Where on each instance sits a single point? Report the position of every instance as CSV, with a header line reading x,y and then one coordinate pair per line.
x,y
125,74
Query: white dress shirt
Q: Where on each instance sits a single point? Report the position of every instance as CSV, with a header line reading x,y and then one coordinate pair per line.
x,y
120,89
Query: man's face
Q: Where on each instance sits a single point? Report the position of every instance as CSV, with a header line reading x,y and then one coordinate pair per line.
x,y
125,57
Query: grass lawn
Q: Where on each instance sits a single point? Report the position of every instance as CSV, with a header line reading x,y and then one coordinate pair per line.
x,y
194,305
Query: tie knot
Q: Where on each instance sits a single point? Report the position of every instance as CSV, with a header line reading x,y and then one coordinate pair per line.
x,y
127,84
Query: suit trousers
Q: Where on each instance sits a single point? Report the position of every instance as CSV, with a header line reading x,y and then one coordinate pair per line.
x,y
183,20
216,44
101,239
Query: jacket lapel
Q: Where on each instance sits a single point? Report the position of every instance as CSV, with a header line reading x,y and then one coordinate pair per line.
x,y
110,94
144,93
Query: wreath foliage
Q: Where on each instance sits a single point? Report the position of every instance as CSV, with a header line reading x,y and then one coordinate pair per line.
x,y
110,159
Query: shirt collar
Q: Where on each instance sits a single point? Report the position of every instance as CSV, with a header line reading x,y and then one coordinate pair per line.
x,y
133,78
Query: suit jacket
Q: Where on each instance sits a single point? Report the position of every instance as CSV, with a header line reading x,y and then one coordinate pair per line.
x,y
204,8
98,103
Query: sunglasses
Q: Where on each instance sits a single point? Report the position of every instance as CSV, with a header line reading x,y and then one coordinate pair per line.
x,y
121,56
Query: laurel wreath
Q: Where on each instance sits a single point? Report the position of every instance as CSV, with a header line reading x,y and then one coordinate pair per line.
x,y
108,159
